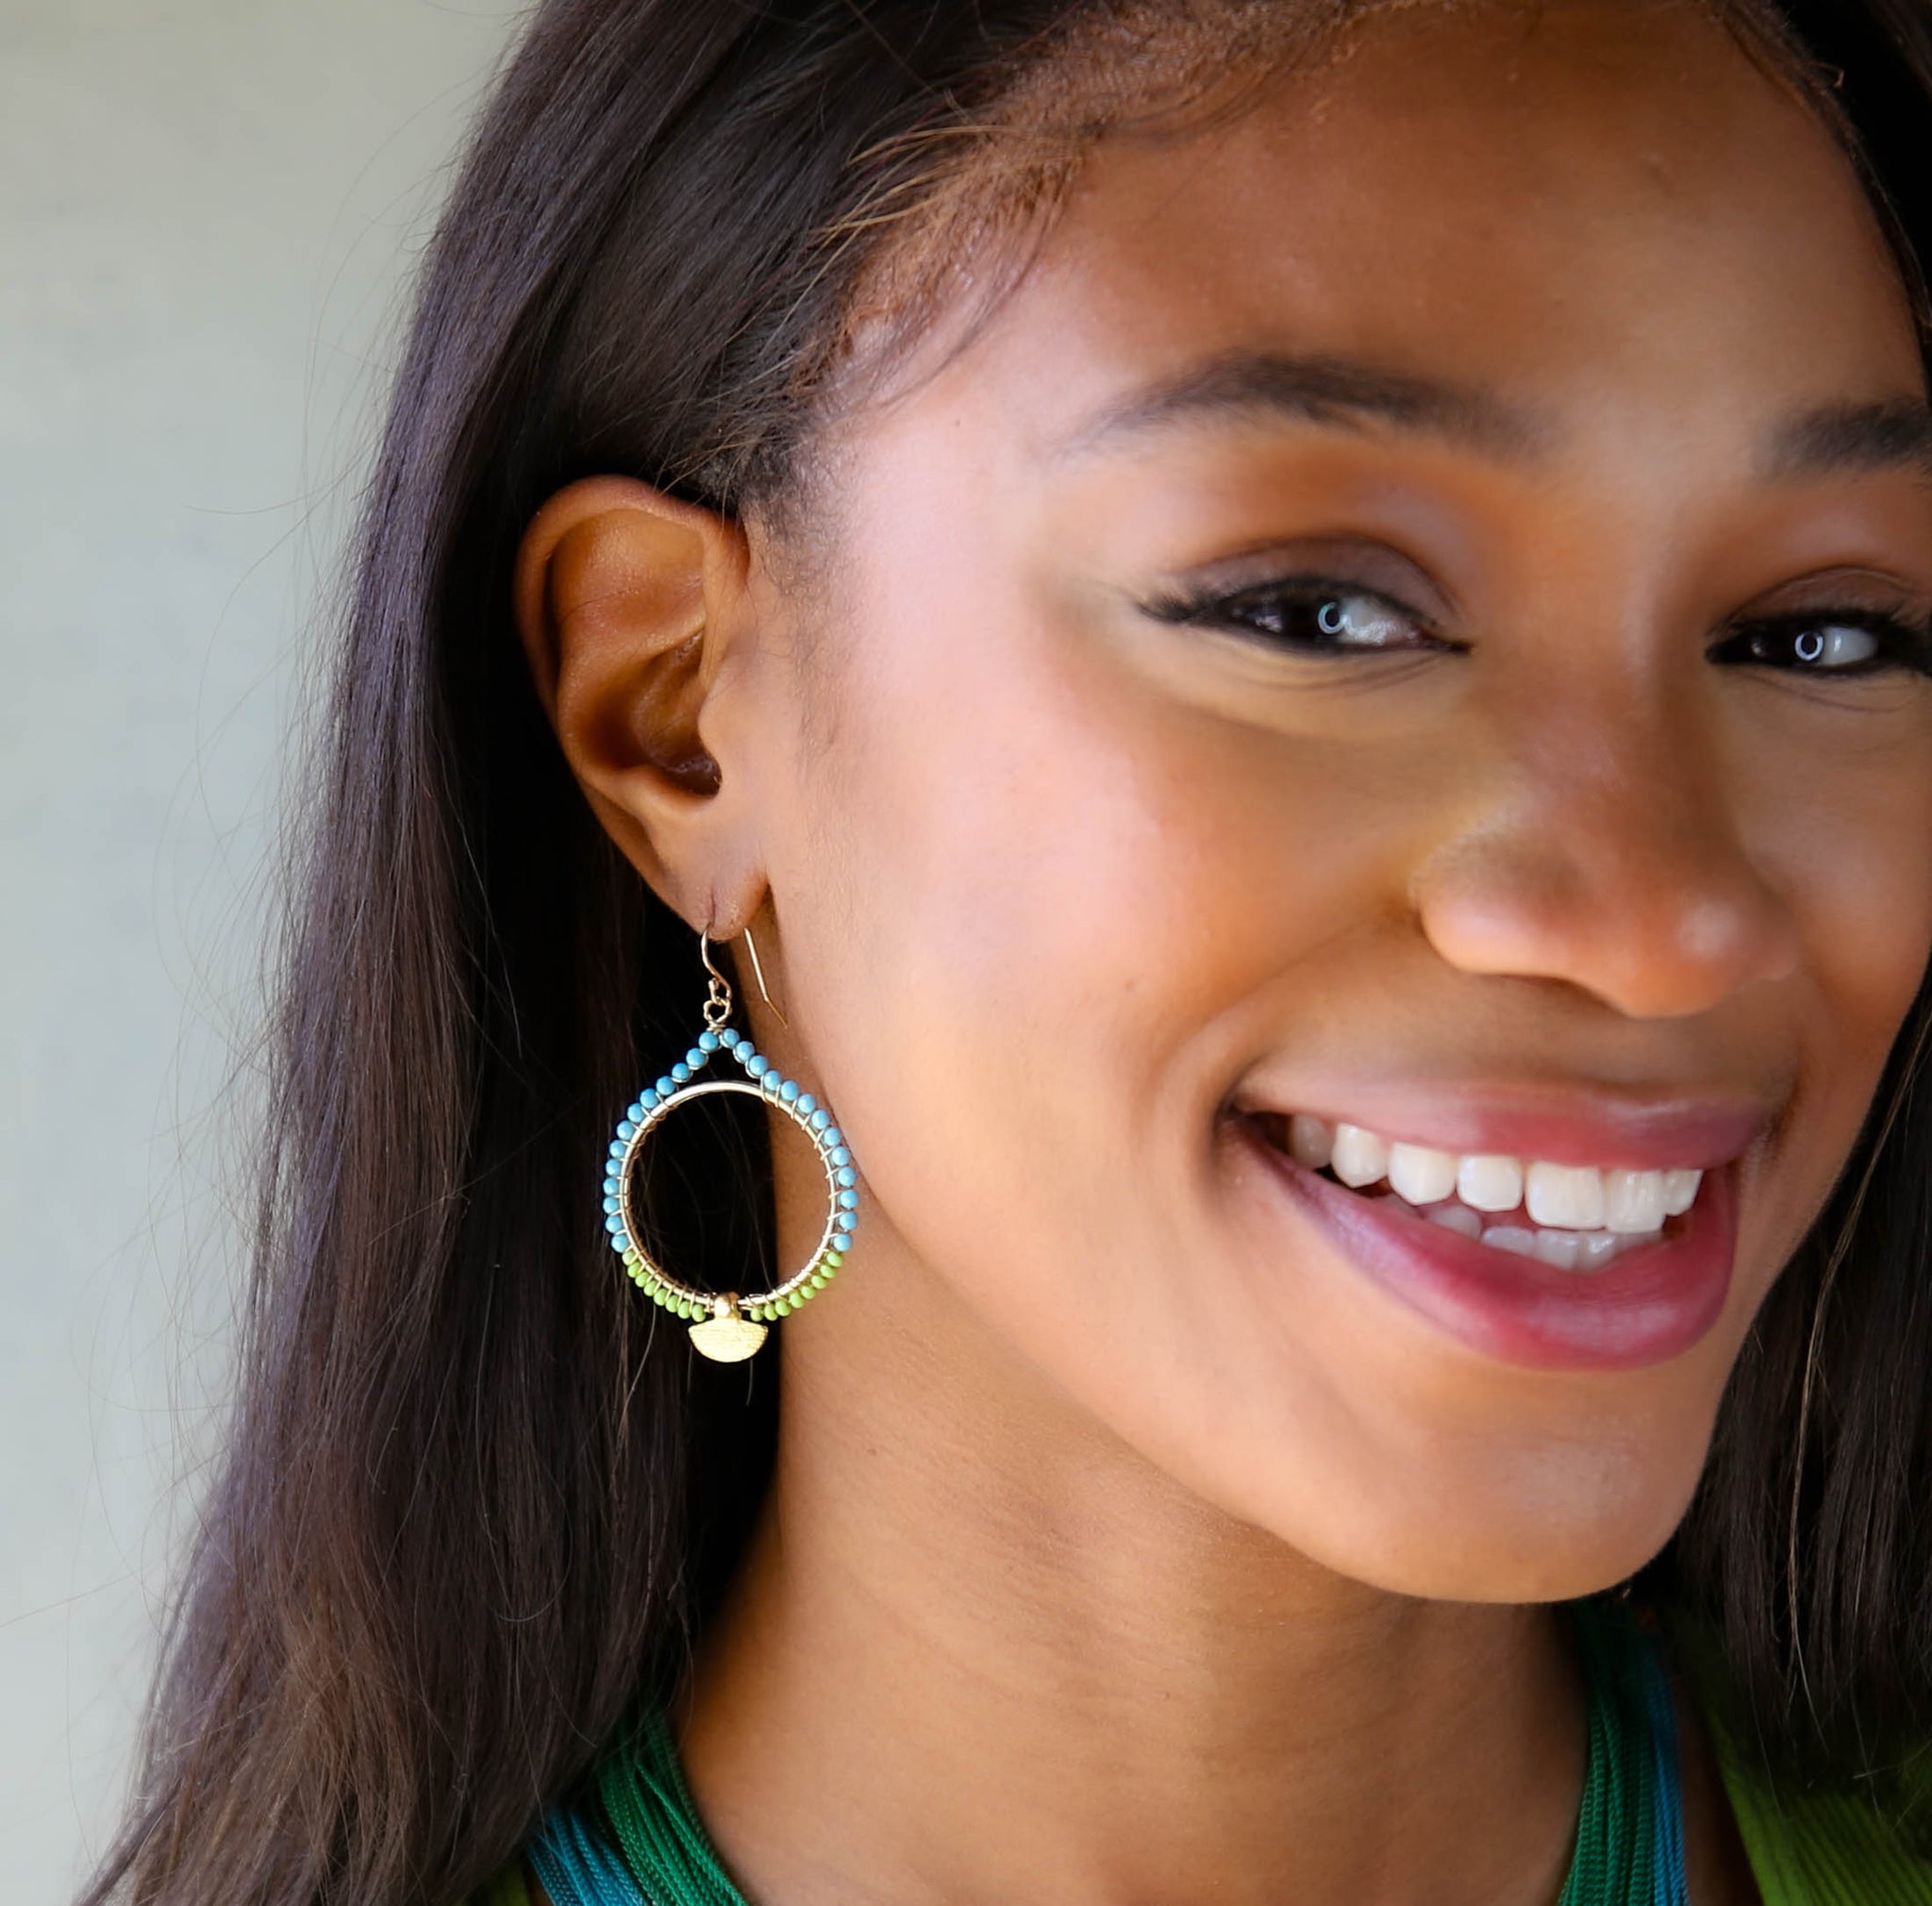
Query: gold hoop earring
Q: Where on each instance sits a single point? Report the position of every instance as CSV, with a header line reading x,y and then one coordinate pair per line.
x,y
725,1327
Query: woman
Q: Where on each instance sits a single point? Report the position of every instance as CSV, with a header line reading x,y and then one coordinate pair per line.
x,y
1278,655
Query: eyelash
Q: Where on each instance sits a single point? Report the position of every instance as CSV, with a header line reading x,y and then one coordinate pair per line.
x,y
1902,643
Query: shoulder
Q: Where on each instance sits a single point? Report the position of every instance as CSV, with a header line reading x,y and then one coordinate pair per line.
x,y
1814,1846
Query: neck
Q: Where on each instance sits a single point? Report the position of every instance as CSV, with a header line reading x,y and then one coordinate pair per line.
x,y
981,1650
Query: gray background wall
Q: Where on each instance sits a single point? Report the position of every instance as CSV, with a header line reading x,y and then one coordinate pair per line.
x,y
207,208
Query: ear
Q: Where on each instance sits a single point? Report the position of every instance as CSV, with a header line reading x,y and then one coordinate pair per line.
x,y
631,605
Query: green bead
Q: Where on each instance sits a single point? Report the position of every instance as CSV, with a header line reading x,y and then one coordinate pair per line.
x,y
797,1300
818,1280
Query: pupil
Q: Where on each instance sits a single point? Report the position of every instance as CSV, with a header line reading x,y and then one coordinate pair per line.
x,y
1810,644
1330,619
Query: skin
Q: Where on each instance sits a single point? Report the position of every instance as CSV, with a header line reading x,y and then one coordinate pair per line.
x,y
1113,1505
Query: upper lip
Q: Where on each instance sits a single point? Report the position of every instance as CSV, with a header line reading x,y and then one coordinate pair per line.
x,y
1562,1124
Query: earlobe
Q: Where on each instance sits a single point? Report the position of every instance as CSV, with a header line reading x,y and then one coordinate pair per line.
x,y
627,602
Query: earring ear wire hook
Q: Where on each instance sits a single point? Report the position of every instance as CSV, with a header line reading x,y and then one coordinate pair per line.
x,y
705,954
750,946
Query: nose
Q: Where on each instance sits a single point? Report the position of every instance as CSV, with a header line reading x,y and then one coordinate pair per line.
x,y
1615,859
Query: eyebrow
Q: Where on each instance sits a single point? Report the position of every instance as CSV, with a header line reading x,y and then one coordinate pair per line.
x,y
1855,439
1336,391
1834,440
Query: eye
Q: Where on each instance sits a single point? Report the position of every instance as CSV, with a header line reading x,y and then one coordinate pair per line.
x,y
1829,643
1306,616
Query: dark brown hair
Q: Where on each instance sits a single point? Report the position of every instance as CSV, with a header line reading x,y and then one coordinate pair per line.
x,y
457,1523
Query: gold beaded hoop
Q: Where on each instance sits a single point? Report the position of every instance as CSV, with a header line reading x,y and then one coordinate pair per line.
x,y
723,1326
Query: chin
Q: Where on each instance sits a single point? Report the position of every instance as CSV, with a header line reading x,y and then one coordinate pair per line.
x,y
1551,1526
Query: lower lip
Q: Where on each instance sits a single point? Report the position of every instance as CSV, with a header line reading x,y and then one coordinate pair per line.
x,y
1652,1303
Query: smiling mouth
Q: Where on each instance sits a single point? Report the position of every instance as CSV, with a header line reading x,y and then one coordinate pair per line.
x,y
1573,1219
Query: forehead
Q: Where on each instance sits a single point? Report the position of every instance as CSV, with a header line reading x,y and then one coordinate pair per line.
x,y
1606,211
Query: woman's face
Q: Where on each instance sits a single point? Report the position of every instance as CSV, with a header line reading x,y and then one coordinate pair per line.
x,y
1407,618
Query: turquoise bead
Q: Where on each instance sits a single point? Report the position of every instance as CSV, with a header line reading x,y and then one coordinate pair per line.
x,y
693,1059
845,1220
806,1102
627,1130
849,1201
680,1073
757,1065
819,1119
610,1203
840,1155
845,1175
648,1103
834,1136
619,1244
617,1147
788,1091
707,1042
664,1088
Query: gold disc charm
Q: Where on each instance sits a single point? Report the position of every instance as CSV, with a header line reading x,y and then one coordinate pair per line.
x,y
726,1337
725,1327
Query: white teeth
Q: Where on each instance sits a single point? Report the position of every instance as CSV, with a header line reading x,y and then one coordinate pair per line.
x,y
1420,1175
1680,1191
1568,1197
1458,1218
1360,1158
1633,1200
1599,1208
1489,1184
1311,1140
1580,1251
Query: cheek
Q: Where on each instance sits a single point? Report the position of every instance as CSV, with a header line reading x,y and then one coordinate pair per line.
x,y
1071,909
1848,843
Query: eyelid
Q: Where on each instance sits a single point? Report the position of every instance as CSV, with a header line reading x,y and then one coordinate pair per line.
x,y
1844,592
1361,566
